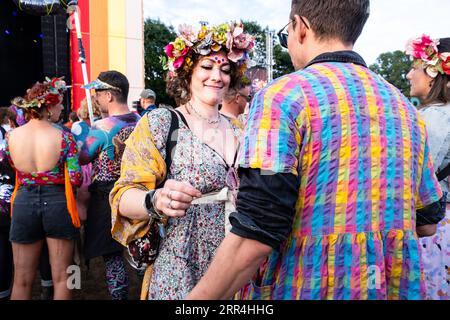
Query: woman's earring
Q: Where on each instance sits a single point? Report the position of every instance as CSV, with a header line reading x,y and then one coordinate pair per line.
x,y
49,115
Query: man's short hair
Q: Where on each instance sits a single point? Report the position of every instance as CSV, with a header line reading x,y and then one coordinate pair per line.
x,y
241,84
330,19
118,80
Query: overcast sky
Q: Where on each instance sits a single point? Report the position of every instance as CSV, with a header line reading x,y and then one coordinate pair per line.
x,y
391,23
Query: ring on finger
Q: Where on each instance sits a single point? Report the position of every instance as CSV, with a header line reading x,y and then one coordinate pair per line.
x,y
169,205
170,195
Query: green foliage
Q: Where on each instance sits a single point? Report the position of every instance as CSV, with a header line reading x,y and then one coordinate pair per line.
x,y
283,64
156,36
394,66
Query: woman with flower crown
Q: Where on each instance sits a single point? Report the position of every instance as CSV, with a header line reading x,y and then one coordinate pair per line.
x,y
198,186
43,206
430,82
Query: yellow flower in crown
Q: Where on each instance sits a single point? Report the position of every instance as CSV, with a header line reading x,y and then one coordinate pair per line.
x,y
216,47
219,33
179,45
188,62
203,32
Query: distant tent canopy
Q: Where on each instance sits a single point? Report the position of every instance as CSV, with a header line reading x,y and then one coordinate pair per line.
x,y
42,7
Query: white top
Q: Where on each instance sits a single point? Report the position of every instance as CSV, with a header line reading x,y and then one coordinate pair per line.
x,y
437,121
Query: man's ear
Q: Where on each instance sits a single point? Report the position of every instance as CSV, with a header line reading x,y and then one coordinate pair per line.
x,y
299,29
110,96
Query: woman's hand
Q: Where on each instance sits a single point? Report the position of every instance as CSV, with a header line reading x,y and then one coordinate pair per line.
x,y
175,198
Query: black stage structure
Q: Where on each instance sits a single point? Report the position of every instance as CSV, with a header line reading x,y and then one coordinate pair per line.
x,y
33,45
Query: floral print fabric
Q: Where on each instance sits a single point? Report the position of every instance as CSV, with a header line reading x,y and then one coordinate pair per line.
x,y
436,249
436,261
69,153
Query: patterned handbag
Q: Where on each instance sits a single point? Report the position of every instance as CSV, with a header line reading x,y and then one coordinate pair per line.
x,y
143,251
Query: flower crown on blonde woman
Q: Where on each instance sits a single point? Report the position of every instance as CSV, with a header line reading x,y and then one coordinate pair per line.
x,y
56,88
229,37
424,51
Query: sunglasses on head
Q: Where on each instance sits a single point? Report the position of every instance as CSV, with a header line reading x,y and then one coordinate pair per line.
x,y
283,33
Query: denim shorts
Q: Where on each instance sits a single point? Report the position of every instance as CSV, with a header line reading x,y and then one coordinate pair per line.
x,y
40,212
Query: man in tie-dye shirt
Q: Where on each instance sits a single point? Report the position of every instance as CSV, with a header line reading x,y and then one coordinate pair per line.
x,y
104,147
333,166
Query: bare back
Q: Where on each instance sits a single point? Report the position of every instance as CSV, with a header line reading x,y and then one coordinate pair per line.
x,y
35,147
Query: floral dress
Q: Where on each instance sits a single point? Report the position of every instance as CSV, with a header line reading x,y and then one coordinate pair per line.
x,y
436,249
191,241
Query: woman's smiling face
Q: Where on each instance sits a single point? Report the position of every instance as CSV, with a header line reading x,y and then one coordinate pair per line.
x,y
210,79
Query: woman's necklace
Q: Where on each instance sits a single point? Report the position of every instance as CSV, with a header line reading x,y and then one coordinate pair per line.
x,y
210,121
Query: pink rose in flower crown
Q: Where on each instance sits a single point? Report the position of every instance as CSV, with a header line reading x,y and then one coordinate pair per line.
x,y
178,63
169,50
446,62
184,52
423,48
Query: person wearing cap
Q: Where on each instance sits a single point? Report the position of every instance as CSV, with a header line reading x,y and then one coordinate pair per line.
x,y
430,82
103,147
148,99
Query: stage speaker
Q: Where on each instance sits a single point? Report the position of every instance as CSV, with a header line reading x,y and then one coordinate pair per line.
x,y
20,52
56,50
32,47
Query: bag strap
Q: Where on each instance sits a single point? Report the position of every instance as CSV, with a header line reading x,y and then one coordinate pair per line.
x,y
172,139
444,173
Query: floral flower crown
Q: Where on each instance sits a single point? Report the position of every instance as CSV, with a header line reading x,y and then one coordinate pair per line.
x,y
227,36
56,88
424,51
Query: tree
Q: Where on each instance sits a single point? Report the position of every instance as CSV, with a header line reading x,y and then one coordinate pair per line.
x,y
393,66
156,36
283,64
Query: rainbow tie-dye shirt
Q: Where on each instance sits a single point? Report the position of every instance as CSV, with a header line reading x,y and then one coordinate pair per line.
x,y
359,149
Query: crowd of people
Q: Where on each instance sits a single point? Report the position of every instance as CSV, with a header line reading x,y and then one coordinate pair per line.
x,y
325,184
